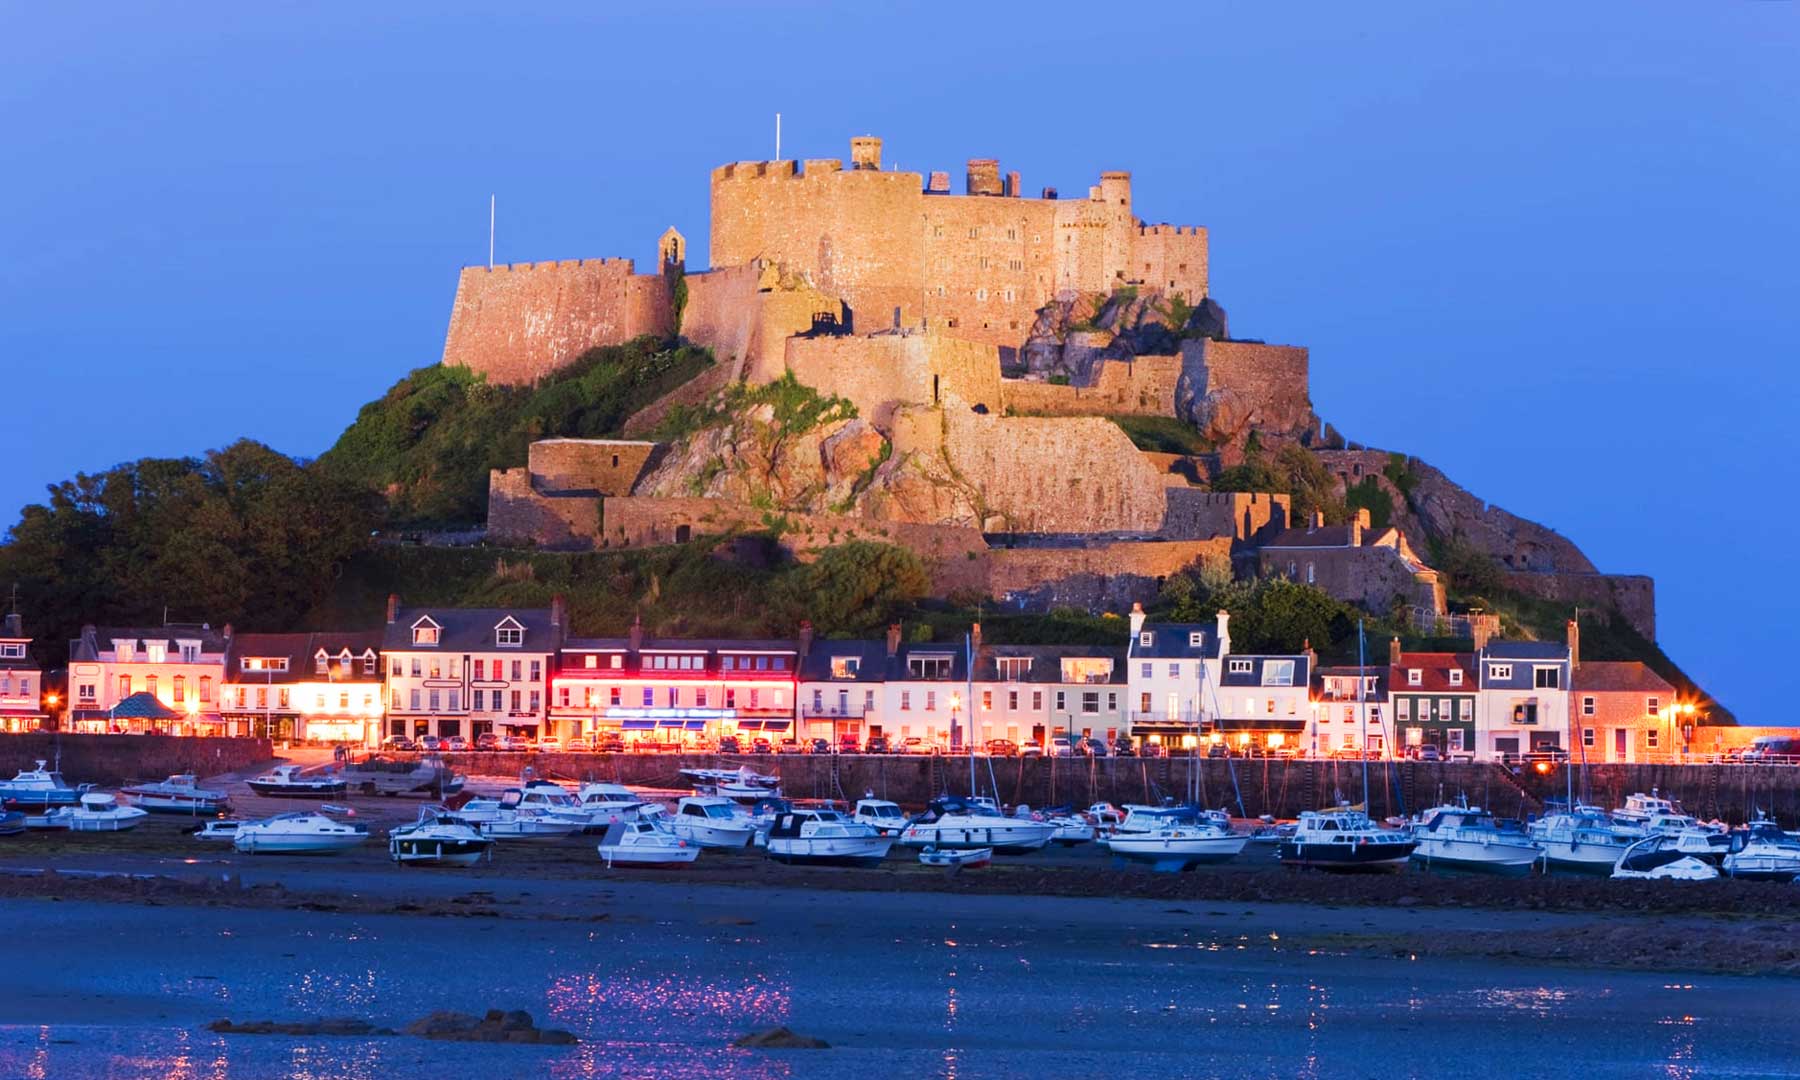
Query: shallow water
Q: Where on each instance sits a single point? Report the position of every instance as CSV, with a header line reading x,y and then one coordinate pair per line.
x,y
900,986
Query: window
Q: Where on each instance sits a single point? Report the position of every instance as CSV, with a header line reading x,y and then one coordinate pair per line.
x,y
394,668
1013,668
415,701
730,698
425,632
321,662
481,670
12,651
1112,701
1061,700
1415,677
1278,673
157,652
1499,672
868,700
536,700
1547,678
1311,575
1652,737
437,668
928,667
1175,670
612,696
515,700
436,701
190,652
1271,708
515,671
700,698
1587,736
368,663
618,661
1443,709
85,692
180,689
1456,739
987,700
1588,707
1090,702
418,668
537,670
1037,700
150,685
931,701
1466,708
1147,672
905,700
509,637
1653,706
562,696
1143,703
649,697
1012,701
1194,637
1144,640
1240,667
1456,676
206,688
124,687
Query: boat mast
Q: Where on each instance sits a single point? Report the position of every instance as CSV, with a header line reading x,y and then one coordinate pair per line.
x,y
969,673
1363,715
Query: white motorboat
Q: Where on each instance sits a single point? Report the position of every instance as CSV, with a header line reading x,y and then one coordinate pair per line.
x,y
1105,815
743,784
39,787
217,829
885,817
291,782
523,814
762,814
1071,829
608,803
1762,852
826,837
438,838
1661,856
525,825
1344,839
179,794
1463,837
953,822
712,821
552,800
1639,808
643,843
1140,818
301,833
427,774
955,858
1586,840
98,811
1179,847
1675,824
12,822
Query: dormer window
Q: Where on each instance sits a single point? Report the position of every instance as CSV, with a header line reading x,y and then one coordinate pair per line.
x,y
156,652
1240,667
190,652
321,662
1456,676
593,661
123,649
12,650
1194,639
425,632
509,634
368,662
1415,677
1145,638
1499,672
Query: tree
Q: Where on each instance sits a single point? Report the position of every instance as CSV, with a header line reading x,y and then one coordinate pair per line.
x,y
855,588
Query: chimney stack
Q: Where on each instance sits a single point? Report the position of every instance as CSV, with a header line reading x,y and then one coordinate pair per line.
x,y
1394,651
1574,644
1224,631
559,611
975,636
1137,619
893,640
636,637
806,637
15,626
938,184
1482,628
1318,520
984,176
226,632
1360,524
393,607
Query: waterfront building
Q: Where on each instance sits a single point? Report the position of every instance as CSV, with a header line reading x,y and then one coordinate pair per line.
x,y
1172,677
181,666
1523,703
21,682
1434,698
1624,712
841,690
923,694
1264,702
312,687
674,691
469,671
1026,694
1350,711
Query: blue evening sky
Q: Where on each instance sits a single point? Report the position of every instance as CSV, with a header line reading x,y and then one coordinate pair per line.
x,y
1548,247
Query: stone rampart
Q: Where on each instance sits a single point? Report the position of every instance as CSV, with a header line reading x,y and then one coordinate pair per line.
x,y
1247,517
1144,386
1053,475
519,514
588,466
517,323
885,372
110,760
745,314
1172,258
1228,388
1097,577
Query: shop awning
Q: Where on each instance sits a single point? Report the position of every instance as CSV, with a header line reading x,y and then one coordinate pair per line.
x,y
776,725
668,723
749,725
1227,723
696,725
640,725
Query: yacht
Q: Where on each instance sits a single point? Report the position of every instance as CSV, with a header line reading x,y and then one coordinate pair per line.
x,y
302,833
712,821
438,838
644,843
552,800
1464,837
826,837
1344,839
1675,824
1071,829
744,784
1146,819
1661,856
216,829
1586,839
98,811
39,787
607,803
952,822
1639,808
179,794
1762,852
885,817
287,782
1177,847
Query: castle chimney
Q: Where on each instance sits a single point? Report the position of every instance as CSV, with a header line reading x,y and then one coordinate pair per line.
x,y
1318,520
939,184
393,607
1137,620
636,637
984,176
1574,644
1394,651
806,637
1011,188
1050,194
893,640
1224,631
559,611
865,152
1360,524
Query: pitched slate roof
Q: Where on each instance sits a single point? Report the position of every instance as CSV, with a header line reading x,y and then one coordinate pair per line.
x,y
1253,677
1434,672
143,705
1378,672
1046,661
716,645
94,640
299,650
1169,641
472,630
1621,676
1526,650
875,665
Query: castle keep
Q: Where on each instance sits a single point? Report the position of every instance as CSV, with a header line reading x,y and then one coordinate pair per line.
x,y
971,353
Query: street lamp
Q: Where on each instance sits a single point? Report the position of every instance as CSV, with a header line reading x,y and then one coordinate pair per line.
x,y
955,704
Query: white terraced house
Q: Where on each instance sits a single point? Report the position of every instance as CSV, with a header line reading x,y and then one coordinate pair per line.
x,y
469,671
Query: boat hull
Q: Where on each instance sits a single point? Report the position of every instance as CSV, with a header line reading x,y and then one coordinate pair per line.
x,y
428,851
1001,839
830,851
647,856
1761,868
40,799
714,836
297,791
176,804
1515,859
1349,858
252,844
105,822
1178,853
1582,858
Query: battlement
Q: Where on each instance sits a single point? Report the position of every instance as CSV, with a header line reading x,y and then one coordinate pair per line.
x,y
1171,230
625,265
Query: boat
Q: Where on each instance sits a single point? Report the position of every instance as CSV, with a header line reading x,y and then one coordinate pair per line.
x,y
762,814
883,816
1639,808
744,784
288,782
1271,831
1661,856
1105,815
426,775
952,822
644,843
826,837
98,811
12,822
179,794
39,787
216,829
1464,837
550,799
607,803
1675,824
438,838
1174,848
712,821
1586,839
301,833
1071,829
955,858
1140,818
1762,852
1344,839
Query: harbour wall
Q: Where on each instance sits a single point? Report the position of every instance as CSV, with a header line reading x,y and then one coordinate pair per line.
x,y
1265,786
108,760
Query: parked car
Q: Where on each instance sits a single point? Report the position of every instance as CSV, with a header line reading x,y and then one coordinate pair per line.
x,y
430,743
1427,752
1218,750
398,742
487,740
878,744
456,744
513,742
819,746
1002,748
1067,746
1031,749
549,742
788,746
1122,748
1096,747
849,745
760,745
913,744
1151,749
609,744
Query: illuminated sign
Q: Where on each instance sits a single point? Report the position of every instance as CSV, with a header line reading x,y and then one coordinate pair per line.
x,y
672,714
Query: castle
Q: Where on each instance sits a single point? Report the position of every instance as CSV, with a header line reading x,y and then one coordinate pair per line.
x,y
981,346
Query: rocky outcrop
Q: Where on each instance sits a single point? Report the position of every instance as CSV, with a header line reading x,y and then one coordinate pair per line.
x,y
1072,336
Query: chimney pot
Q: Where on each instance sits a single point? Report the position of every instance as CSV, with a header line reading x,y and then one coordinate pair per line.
x,y
636,637
1137,620
1394,651
975,635
893,640
559,610
806,637
1574,644
393,607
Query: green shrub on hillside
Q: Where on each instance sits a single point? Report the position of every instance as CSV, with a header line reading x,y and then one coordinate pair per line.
x,y
796,408
1368,494
1163,434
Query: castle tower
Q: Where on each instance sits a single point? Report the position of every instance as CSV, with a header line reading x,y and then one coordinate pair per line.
x,y
671,250
1115,190
984,176
865,152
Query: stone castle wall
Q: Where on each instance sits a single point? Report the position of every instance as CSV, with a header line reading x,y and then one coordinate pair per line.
x,y
745,314
518,514
1229,386
1144,386
519,322
1632,595
588,466
1247,517
1371,576
1053,474
1172,258
881,373
1098,577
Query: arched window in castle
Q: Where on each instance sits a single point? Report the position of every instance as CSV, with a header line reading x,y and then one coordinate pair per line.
x,y
984,262
940,290
974,233
981,294
1012,234
1311,578
1009,295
